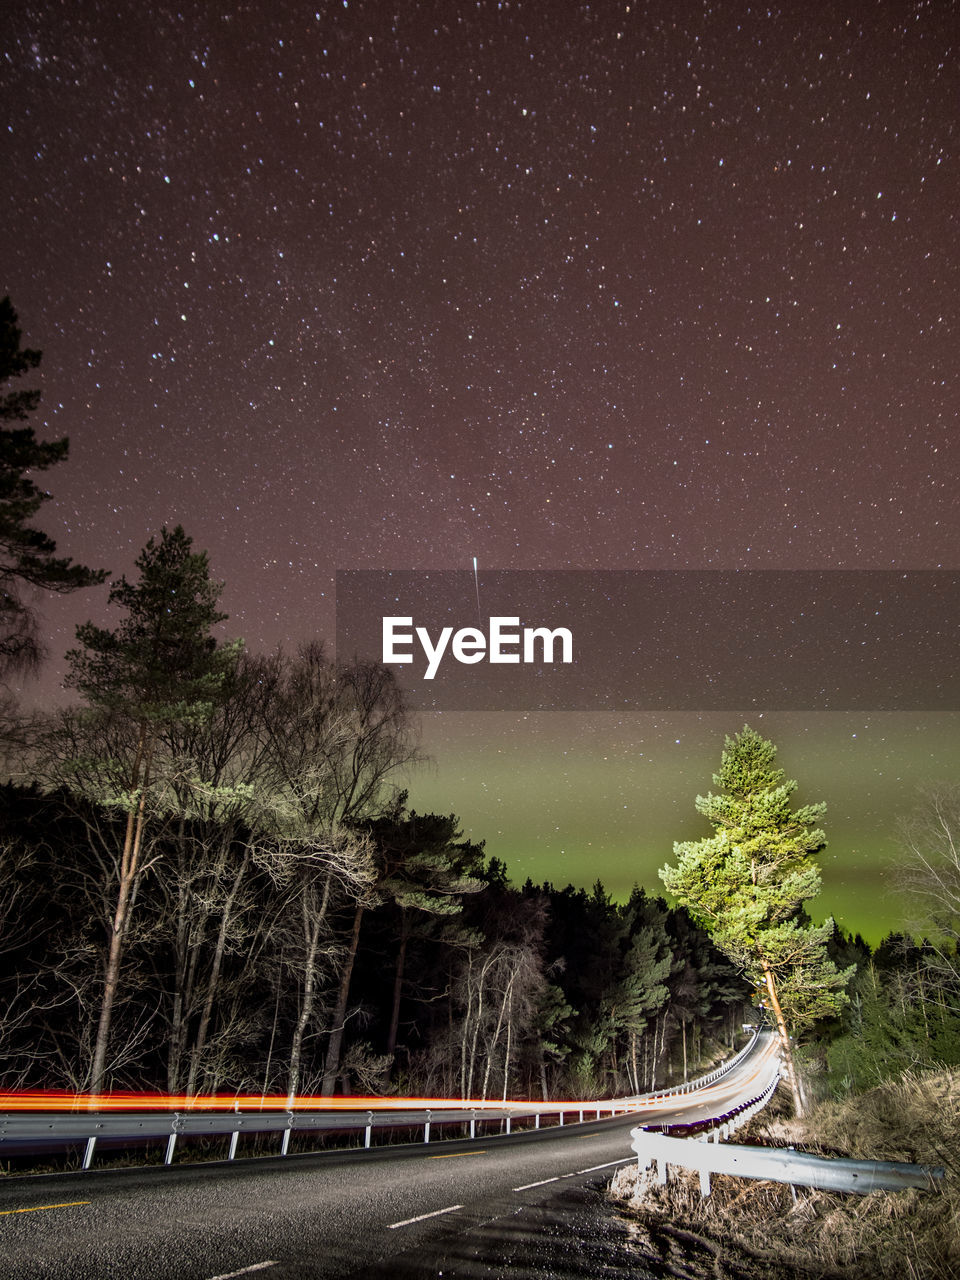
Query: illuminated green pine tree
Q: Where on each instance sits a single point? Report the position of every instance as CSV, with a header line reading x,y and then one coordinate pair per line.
x,y
747,884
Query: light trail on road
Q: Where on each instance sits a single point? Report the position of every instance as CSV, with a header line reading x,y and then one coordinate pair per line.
x,y
122,1101
58,1101
378,1213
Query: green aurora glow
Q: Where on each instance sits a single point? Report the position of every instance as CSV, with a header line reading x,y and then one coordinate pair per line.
x,y
576,797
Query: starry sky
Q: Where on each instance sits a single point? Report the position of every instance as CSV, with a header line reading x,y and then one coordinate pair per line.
x,y
557,285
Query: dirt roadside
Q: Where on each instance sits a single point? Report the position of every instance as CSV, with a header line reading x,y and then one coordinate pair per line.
x,y
763,1229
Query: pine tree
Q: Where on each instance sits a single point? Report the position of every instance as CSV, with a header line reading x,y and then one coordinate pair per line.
x,y
640,993
748,882
26,554
418,860
160,667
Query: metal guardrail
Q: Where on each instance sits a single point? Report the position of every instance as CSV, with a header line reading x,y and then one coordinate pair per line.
x,y
19,1130
772,1164
719,1128
701,1082
24,1129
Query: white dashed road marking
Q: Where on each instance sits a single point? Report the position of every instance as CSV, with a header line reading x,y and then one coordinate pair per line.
x,y
527,1185
452,1208
611,1165
245,1271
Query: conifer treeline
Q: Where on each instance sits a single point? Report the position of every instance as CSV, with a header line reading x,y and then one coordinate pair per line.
x,y
243,972
442,977
211,882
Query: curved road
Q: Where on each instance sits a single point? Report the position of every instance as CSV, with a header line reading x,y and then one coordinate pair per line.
x,y
388,1211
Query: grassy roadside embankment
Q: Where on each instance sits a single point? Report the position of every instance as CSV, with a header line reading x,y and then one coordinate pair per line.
x,y
747,1230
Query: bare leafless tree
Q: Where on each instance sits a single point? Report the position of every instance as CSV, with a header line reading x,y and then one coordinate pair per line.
x,y
333,737
335,734
928,873
313,874
499,988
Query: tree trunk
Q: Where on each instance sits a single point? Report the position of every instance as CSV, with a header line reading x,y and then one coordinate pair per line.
x,y
784,1042
273,1033
129,866
398,986
475,1036
506,1054
175,1045
507,997
213,979
653,1057
186,949
312,937
658,1053
465,1026
332,1064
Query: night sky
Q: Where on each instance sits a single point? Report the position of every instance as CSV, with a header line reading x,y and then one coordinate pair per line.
x,y
595,286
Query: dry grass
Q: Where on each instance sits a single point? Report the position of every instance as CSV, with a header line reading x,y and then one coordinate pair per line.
x,y
748,1229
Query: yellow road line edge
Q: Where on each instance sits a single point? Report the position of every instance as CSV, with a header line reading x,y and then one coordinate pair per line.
x,y
457,1155
38,1208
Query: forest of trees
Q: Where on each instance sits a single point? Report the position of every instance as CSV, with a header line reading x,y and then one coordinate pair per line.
x,y
211,881
290,926
394,959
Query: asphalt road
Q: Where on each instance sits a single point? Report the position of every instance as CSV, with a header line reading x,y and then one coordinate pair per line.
x,y
393,1211
334,1214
